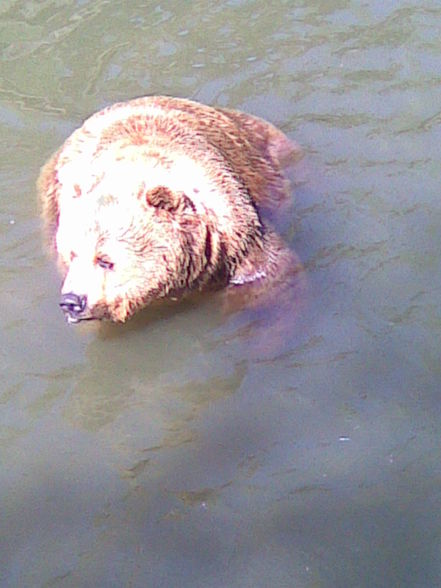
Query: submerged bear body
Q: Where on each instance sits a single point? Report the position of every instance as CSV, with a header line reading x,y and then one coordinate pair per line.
x,y
160,196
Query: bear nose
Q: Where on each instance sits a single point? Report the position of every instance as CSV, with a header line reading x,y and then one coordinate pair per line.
x,y
73,304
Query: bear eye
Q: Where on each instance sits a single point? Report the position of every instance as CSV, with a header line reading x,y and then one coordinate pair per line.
x,y
104,262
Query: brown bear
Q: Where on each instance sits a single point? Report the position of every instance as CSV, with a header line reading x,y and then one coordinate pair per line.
x,y
160,196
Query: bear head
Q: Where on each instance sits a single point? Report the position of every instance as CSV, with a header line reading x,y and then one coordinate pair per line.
x,y
123,243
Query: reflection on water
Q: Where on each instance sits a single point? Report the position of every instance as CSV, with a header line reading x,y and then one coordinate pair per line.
x,y
186,448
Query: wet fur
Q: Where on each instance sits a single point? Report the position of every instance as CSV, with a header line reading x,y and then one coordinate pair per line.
x,y
212,232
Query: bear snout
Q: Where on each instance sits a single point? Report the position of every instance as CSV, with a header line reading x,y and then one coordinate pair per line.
x,y
73,306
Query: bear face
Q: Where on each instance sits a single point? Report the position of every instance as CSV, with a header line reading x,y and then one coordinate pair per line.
x,y
157,197
124,244
112,268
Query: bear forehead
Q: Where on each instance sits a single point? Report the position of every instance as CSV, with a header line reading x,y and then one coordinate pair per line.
x,y
119,173
89,224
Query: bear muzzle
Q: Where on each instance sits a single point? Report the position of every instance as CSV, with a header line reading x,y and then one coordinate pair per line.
x,y
74,307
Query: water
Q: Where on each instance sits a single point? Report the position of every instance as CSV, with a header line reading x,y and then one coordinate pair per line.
x,y
182,449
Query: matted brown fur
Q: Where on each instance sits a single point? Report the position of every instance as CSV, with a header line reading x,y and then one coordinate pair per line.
x,y
160,196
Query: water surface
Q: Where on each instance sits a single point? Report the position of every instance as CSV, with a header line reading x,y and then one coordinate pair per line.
x,y
184,448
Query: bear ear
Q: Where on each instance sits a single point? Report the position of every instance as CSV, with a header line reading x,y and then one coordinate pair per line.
x,y
163,198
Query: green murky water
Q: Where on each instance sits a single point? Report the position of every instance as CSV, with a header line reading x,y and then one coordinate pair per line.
x,y
182,449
